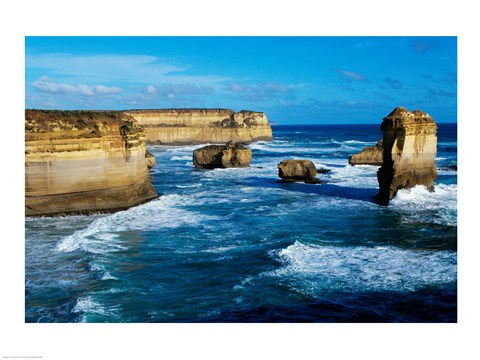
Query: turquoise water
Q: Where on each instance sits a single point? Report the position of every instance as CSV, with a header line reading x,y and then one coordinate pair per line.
x,y
236,245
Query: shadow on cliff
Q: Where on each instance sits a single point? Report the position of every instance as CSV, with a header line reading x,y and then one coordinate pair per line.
x,y
324,188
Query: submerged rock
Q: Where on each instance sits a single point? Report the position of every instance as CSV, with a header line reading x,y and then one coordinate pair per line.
x,y
409,150
370,155
298,170
222,156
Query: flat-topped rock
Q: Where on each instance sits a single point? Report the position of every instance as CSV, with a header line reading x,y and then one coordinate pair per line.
x,y
409,150
200,126
83,162
298,171
229,155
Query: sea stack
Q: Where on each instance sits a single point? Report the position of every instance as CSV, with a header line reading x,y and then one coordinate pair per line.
x,y
200,126
84,162
298,171
409,150
222,156
370,155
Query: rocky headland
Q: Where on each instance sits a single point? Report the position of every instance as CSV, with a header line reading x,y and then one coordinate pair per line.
x,y
298,171
409,150
200,126
83,162
222,156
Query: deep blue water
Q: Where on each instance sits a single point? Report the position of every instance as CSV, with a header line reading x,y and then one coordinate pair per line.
x,y
236,245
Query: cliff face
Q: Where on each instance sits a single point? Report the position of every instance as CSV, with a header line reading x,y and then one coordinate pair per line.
x,y
83,161
197,126
409,150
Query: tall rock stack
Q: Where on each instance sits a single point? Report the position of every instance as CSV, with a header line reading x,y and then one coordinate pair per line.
x,y
409,150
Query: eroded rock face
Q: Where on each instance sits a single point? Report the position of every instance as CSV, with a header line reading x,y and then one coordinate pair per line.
x,y
150,159
298,170
83,162
199,126
222,156
370,155
409,150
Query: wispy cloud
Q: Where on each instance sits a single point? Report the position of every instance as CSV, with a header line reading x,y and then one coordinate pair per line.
x,y
262,91
393,83
47,86
422,45
352,75
135,69
442,92
364,44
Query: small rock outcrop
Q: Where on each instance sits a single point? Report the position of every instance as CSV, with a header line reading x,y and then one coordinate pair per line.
x,y
298,170
229,155
409,150
370,155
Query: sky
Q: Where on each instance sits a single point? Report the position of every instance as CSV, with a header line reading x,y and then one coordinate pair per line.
x,y
294,80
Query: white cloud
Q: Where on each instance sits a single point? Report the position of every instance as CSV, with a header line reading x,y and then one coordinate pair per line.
x,y
352,75
151,89
45,85
144,69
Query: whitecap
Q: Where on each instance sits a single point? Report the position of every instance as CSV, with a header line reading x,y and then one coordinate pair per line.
x,y
88,306
181,158
419,204
103,235
314,269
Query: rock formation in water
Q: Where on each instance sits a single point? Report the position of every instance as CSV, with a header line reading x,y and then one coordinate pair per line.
x,y
370,155
409,150
150,159
84,161
222,156
199,126
298,170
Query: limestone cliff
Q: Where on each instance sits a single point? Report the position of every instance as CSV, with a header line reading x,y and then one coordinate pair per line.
x,y
83,161
198,126
409,150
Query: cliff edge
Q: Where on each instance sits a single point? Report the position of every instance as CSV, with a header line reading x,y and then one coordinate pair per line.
x,y
409,150
84,161
199,126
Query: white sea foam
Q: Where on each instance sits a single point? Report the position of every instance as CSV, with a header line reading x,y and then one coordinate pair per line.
x,y
105,275
88,306
182,158
188,186
358,142
102,235
419,204
313,269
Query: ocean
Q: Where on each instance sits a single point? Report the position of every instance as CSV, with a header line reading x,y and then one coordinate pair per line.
x,y
237,245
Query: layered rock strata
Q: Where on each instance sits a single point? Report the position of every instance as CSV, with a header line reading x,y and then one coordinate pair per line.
x,y
409,150
199,126
84,161
370,155
222,156
298,170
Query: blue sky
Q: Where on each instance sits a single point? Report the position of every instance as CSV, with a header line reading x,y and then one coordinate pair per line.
x,y
294,80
